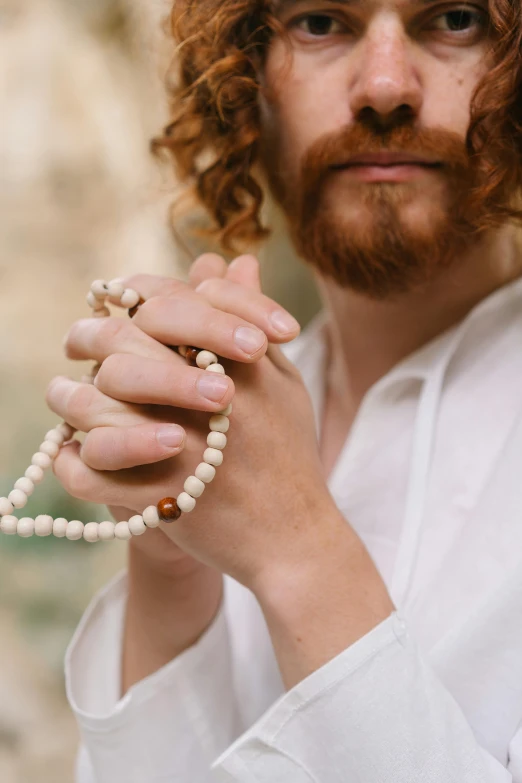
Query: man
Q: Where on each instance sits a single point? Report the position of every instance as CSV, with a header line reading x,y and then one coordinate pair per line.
x,y
367,515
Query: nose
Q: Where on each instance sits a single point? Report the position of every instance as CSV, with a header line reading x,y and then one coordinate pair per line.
x,y
385,81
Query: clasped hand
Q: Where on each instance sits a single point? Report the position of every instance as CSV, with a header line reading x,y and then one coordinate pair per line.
x,y
265,507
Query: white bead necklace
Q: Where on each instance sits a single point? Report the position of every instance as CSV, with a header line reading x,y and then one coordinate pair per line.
x,y
168,509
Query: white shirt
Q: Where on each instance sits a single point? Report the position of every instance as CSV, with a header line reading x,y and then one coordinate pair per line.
x,y
430,477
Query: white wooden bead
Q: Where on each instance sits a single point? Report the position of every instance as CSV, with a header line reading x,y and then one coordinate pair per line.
x,y
137,526
227,411
217,440
185,503
43,525
216,368
55,436
9,525
74,530
90,532
99,288
106,531
25,527
219,423
60,527
25,484
122,532
66,430
95,302
41,460
194,487
6,507
205,358
17,498
150,517
115,288
129,298
50,448
103,313
213,457
182,349
34,473
205,472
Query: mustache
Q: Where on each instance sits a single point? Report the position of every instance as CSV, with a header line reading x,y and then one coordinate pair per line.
x,y
333,150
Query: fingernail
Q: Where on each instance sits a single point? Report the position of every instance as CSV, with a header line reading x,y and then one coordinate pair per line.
x,y
249,340
213,387
170,436
283,322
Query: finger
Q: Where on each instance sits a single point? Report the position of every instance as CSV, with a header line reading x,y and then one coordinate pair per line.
x,y
84,407
230,297
98,338
149,382
245,271
117,448
120,488
207,265
155,285
177,321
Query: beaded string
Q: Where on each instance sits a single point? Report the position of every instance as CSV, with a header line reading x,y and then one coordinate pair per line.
x,y
168,509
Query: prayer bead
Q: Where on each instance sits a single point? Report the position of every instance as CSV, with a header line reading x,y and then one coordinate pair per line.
x,y
106,531
74,530
136,525
205,359
50,448
194,487
217,440
217,368
150,516
43,525
9,525
25,527
168,510
213,457
186,503
205,472
122,531
41,460
129,298
219,423
191,356
90,532
6,507
115,288
17,498
60,527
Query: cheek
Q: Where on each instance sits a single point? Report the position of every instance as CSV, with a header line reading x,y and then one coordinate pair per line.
x,y
304,105
450,92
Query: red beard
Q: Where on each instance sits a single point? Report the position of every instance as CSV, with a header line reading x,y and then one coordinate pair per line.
x,y
381,255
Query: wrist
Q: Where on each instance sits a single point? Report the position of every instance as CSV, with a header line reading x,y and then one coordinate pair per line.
x,y
167,612
317,607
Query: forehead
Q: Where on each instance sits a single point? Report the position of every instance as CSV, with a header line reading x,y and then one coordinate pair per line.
x,y
282,6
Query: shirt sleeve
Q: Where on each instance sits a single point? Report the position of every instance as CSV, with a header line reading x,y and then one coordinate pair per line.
x,y
169,727
375,714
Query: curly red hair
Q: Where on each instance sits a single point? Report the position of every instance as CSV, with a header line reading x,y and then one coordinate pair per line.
x,y
214,135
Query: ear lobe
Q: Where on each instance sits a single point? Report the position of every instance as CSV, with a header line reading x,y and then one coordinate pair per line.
x,y
205,267
245,270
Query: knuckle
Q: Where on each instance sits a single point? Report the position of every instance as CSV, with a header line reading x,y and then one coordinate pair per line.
x,y
108,330
80,402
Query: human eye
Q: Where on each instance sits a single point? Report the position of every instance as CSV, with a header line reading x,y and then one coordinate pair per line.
x,y
464,20
317,25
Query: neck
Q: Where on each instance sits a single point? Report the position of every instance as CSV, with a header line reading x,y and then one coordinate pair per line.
x,y
368,337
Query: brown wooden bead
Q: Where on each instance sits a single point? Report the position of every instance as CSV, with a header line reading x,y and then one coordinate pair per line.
x,y
168,510
134,310
192,355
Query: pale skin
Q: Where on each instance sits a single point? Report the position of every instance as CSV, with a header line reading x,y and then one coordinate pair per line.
x,y
280,534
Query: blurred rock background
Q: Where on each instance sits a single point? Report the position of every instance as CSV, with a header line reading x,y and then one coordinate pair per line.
x,y
80,198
